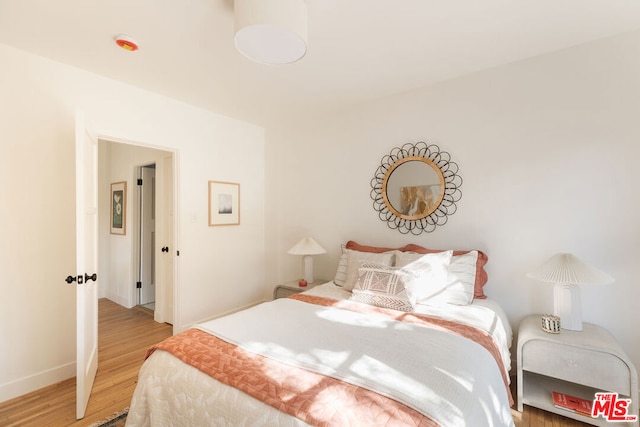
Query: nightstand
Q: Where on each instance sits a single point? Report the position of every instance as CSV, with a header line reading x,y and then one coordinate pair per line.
x,y
577,363
290,288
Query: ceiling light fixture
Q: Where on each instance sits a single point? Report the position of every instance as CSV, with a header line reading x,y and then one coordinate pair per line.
x,y
126,42
271,31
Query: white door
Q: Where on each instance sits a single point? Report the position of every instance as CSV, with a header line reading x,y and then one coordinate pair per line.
x,y
86,262
165,228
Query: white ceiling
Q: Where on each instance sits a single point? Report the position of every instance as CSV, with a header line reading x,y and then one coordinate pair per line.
x,y
358,49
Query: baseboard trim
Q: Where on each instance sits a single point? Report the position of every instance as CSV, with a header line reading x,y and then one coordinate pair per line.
x,y
119,300
37,381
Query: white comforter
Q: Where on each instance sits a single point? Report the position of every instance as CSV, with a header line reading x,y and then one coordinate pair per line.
x,y
484,314
452,380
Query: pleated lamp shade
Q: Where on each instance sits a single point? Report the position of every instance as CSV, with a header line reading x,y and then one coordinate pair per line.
x,y
567,272
567,268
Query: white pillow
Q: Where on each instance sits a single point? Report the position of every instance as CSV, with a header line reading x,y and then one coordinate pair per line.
x,y
456,286
341,272
384,286
355,259
462,276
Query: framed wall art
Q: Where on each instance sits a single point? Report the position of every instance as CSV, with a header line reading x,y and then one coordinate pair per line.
x,y
224,203
119,208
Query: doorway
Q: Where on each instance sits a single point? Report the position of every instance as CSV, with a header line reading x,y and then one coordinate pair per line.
x,y
138,256
146,218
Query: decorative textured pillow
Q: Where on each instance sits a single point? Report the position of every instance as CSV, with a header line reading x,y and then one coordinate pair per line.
x,y
383,286
456,287
355,259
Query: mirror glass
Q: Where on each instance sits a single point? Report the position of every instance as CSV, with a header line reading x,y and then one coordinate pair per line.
x,y
413,187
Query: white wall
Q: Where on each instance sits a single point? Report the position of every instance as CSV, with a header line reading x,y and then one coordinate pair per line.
x,y
219,268
547,149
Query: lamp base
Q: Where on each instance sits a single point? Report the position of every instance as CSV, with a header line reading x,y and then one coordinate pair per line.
x,y
307,268
566,305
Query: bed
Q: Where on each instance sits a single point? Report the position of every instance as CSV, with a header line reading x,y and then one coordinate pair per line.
x,y
371,347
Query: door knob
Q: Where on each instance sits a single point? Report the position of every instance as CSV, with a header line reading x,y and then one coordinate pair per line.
x,y
93,277
70,279
165,249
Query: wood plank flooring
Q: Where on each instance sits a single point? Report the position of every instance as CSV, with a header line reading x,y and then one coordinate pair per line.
x,y
534,417
124,336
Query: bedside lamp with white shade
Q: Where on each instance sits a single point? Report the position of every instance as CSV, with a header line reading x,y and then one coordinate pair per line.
x,y
306,247
568,273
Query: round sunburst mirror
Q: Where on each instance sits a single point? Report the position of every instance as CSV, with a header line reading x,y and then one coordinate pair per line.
x,y
416,188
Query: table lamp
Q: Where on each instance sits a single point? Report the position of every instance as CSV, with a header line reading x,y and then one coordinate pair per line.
x,y
306,247
567,272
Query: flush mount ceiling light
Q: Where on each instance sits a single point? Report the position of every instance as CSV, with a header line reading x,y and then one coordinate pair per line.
x,y
271,31
126,42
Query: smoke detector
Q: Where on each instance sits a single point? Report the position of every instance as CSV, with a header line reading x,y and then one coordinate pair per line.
x,y
126,42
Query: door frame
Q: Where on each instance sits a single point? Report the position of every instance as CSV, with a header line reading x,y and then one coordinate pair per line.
x,y
139,221
174,226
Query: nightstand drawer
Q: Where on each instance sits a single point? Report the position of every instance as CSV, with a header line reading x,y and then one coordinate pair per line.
x,y
579,365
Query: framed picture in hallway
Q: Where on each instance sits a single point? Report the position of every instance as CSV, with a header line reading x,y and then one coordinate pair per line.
x,y
224,203
119,208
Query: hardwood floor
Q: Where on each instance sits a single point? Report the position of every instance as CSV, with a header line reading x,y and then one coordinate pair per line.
x,y
124,336
533,417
